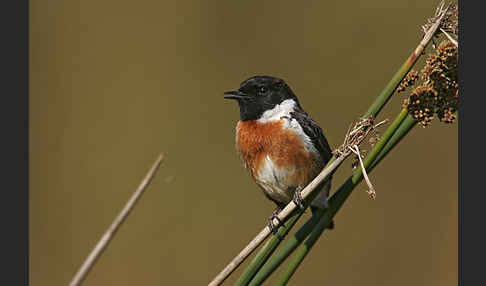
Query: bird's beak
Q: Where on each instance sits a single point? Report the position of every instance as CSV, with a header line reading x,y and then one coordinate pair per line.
x,y
235,94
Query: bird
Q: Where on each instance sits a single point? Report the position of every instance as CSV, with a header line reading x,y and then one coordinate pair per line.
x,y
280,145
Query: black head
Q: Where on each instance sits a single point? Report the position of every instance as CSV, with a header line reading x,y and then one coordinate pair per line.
x,y
259,94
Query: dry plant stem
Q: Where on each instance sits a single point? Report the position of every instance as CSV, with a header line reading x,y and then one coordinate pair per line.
x,y
371,190
449,37
282,215
115,225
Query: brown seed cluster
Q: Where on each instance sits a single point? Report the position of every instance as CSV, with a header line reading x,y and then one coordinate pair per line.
x,y
409,80
420,104
438,94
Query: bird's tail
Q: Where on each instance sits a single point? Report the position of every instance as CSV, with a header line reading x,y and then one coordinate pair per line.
x,y
320,201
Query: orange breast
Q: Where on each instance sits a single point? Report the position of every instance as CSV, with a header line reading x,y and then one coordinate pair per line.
x,y
257,140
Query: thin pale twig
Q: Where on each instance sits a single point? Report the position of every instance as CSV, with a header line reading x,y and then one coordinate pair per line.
x,y
381,123
371,190
111,231
449,37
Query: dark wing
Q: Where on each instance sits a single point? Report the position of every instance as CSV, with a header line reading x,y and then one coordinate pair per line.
x,y
314,132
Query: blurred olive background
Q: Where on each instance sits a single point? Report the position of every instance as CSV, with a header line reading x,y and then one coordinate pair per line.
x,y
114,83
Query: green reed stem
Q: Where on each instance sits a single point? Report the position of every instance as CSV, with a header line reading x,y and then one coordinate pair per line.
x,y
389,89
291,243
404,128
273,242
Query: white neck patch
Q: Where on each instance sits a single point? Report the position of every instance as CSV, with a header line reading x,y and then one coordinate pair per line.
x,y
280,110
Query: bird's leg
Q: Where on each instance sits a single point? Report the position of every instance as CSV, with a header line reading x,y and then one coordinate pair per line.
x,y
298,200
271,225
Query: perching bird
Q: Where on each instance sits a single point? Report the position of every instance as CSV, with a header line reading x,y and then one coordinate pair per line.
x,y
282,147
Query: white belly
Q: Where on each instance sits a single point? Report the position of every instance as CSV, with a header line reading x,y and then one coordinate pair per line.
x,y
272,180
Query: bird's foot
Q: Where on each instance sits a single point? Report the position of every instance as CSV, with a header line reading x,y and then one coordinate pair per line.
x,y
298,200
274,228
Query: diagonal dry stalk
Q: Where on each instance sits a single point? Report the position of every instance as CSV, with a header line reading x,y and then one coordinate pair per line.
x,y
448,24
115,225
454,41
355,136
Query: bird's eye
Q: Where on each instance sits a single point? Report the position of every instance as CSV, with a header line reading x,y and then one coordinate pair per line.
x,y
262,89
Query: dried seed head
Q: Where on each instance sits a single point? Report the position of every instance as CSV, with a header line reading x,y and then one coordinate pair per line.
x,y
438,94
409,80
421,104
